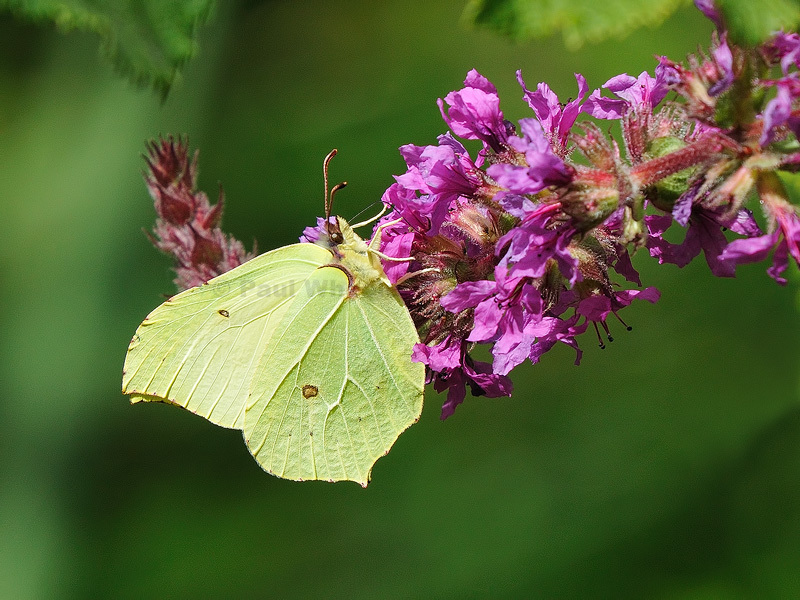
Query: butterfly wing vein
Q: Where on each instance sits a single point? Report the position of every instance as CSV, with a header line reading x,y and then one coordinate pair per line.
x,y
368,389
188,353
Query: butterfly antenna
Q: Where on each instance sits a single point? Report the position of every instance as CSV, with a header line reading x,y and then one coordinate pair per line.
x,y
328,198
334,231
335,189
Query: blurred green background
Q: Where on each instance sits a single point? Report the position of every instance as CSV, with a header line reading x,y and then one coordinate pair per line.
x,y
666,466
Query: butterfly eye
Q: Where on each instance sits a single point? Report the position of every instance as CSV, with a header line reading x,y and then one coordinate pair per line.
x,y
337,237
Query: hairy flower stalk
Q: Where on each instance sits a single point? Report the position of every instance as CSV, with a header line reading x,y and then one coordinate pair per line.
x,y
527,242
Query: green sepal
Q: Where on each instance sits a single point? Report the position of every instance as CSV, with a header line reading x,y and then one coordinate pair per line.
x,y
666,191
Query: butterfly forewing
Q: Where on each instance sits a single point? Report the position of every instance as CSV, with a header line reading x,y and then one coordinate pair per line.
x,y
200,348
336,386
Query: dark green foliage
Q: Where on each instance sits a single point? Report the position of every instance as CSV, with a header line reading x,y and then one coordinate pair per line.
x,y
750,23
147,40
582,21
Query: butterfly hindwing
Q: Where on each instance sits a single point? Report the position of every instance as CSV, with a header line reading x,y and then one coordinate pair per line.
x,y
200,348
336,386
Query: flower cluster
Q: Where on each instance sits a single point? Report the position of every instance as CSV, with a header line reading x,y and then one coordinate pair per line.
x,y
528,241
188,224
522,244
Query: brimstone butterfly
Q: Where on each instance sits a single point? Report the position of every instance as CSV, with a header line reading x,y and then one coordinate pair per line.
x,y
306,349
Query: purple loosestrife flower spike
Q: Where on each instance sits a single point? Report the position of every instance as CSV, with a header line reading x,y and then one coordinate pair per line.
x,y
188,224
524,246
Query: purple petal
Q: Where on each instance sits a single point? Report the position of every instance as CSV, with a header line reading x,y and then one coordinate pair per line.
x,y
468,295
682,209
486,322
787,46
710,11
724,60
752,249
515,204
544,103
601,107
745,224
557,121
398,246
492,385
713,242
624,266
446,355
476,80
474,112
595,307
780,261
456,392
779,110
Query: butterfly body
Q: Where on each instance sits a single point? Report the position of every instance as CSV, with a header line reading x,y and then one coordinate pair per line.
x,y
306,349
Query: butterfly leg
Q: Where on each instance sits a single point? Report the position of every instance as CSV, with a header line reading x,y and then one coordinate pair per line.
x,y
373,243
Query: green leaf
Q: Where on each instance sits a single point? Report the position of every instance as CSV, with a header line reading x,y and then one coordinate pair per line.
x,y
579,21
147,40
750,23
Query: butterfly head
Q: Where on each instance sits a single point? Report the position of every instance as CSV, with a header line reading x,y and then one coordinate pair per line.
x,y
335,233
350,252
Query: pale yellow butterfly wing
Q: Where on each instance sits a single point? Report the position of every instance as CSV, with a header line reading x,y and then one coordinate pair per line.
x,y
336,386
199,349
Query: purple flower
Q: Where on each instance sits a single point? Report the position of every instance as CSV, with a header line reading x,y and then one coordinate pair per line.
x,y
785,239
705,233
422,212
598,306
543,168
452,369
640,94
474,112
436,176
556,119
723,59
440,357
447,169
778,111
316,233
503,310
550,330
710,11
533,242
787,50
